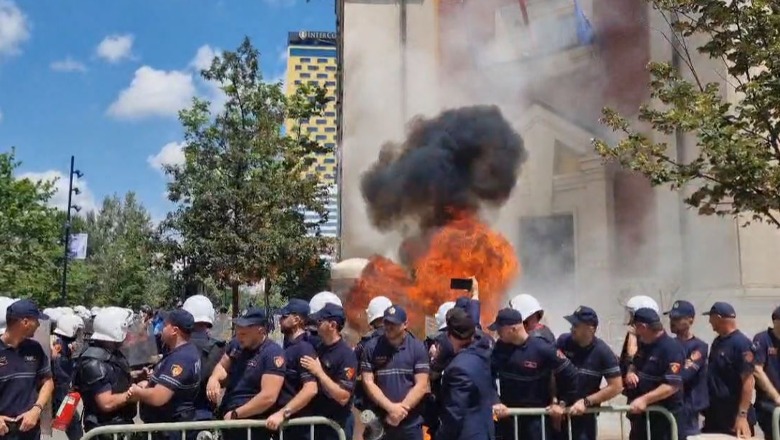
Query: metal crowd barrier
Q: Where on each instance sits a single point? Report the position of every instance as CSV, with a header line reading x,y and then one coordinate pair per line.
x,y
117,431
776,423
514,413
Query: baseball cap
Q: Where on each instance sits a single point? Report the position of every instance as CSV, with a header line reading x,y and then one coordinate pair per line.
x,y
681,309
646,315
180,318
24,308
295,307
776,314
463,302
505,317
722,309
395,315
252,317
330,312
460,324
583,315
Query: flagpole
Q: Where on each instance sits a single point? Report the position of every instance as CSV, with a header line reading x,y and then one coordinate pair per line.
x,y
66,253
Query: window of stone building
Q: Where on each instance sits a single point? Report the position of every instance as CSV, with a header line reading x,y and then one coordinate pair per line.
x,y
566,159
547,253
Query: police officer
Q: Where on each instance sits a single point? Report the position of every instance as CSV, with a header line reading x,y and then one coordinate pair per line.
x,y
253,370
532,313
594,360
467,392
316,303
299,387
26,383
169,395
767,374
335,368
630,343
374,314
395,371
66,334
524,366
694,372
211,349
729,376
102,373
654,378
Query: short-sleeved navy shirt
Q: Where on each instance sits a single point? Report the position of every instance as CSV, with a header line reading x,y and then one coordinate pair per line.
x,y
179,371
394,369
340,364
524,373
593,362
767,345
657,363
21,371
247,368
295,375
694,373
731,358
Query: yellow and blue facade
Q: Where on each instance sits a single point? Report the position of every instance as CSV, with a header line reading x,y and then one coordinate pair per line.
x,y
312,59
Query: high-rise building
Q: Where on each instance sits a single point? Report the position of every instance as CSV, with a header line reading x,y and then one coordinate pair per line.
x,y
311,59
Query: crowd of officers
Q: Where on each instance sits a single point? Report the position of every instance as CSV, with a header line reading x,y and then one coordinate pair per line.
x,y
459,383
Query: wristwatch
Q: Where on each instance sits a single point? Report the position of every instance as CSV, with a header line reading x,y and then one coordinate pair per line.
x,y
233,415
587,402
286,413
743,413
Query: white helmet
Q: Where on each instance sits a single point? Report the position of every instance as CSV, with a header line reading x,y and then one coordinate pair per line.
x,y
53,314
110,325
65,310
441,314
68,325
526,304
376,308
4,303
94,311
82,312
200,308
319,300
639,302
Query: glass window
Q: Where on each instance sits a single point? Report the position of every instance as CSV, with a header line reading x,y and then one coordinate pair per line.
x,y
298,67
322,75
330,129
305,75
330,84
312,68
322,60
306,60
321,122
321,137
330,160
330,68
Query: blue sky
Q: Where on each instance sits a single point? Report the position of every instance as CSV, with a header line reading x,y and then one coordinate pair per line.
x,y
103,81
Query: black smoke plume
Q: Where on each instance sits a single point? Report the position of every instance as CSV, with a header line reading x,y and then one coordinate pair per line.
x,y
462,159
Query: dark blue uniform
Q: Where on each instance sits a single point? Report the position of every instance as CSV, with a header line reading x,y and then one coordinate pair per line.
x,y
694,377
62,369
594,362
211,351
180,372
658,363
766,345
361,400
341,365
467,396
731,358
394,369
524,373
22,369
247,368
295,377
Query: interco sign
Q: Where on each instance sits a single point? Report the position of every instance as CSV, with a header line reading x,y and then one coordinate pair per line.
x,y
307,35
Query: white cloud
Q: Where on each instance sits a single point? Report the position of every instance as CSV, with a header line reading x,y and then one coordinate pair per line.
x,y
68,65
14,28
171,154
154,93
203,57
85,199
115,48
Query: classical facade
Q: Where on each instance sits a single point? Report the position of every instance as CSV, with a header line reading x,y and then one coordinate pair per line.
x,y
586,232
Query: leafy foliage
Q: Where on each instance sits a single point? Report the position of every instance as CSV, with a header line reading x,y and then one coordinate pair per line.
x,y
242,191
736,166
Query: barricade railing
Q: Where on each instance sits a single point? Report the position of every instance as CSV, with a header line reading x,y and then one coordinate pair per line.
x,y
514,413
117,431
776,423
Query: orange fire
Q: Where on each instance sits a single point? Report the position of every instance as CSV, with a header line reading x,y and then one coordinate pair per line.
x,y
463,248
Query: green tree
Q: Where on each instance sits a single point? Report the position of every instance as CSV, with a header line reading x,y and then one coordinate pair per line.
x,y
736,169
29,234
242,191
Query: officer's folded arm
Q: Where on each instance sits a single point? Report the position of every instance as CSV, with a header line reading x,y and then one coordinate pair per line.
x,y
661,392
300,400
158,395
419,390
375,393
109,402
270,386
217,378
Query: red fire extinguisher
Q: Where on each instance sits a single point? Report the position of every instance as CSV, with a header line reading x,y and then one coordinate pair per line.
x,y
66,411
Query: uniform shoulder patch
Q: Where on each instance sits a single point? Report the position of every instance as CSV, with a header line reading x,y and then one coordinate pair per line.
x,y
350,373
675,367
748,355
560,354
176,370
695,355
279,361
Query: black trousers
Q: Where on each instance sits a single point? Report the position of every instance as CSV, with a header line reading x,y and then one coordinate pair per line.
x,y
660,428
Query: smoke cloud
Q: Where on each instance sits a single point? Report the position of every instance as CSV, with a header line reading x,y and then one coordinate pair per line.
x,y
457,161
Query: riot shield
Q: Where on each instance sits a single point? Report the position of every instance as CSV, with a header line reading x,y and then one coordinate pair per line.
x,y
43,336
139,347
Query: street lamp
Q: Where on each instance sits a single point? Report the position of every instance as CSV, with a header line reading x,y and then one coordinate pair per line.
x,y
71,206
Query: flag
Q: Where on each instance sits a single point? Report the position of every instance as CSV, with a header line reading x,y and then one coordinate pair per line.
x,y
77,248
584,29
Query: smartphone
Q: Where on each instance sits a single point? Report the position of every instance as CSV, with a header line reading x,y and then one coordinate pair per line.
x,y
461,284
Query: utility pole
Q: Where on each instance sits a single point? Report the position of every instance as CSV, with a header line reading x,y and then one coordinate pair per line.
x,y
71,206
